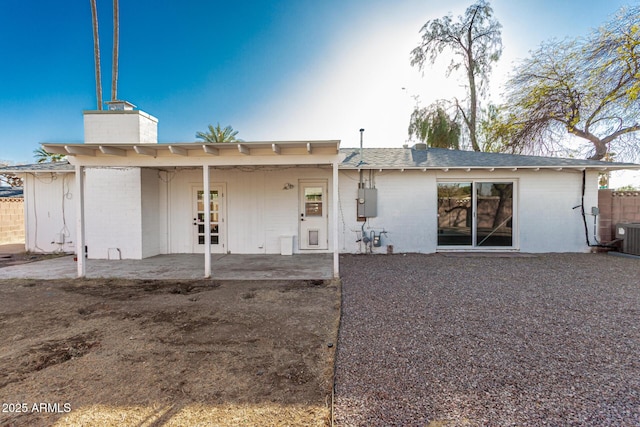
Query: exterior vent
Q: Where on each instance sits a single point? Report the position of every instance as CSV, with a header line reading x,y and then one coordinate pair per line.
x,y
630,235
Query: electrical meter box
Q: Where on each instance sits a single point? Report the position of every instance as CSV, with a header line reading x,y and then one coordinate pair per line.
x,y
367,203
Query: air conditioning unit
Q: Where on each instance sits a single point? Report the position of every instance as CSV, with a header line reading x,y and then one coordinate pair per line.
x,y
630,235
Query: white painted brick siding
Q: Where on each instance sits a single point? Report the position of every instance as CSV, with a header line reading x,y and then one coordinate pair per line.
x,y
404,201
49,210
112,127
150,196
258,210
548,222
407,209
113,212
144,212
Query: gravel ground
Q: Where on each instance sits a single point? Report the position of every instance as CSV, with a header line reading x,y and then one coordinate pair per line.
x,y
434,340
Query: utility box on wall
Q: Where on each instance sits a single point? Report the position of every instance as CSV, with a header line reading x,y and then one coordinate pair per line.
x,y
367,203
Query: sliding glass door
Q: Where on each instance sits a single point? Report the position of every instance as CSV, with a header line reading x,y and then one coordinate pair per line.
x,y
455,214
475,213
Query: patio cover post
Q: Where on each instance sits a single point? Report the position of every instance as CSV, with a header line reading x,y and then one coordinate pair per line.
x,y
80,238
207,221
334,220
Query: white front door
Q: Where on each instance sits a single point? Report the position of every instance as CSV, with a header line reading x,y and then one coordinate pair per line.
x,y
216,220
313,215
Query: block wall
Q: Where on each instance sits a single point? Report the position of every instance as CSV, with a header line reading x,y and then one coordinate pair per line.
x,y
616,207
11,220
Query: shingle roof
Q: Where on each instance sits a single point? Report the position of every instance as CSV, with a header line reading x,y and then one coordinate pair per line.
x,y
409,158
438,158
62,166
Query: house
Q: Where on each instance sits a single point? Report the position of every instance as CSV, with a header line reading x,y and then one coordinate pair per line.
x,y
124,195
431,199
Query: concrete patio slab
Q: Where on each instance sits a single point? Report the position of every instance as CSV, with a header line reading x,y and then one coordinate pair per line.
x,y
184,266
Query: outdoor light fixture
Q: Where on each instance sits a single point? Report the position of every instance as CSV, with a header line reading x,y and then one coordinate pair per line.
x,y
287,186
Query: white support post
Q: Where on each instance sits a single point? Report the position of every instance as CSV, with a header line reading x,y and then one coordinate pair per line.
x,y
207,221
80,238
334,220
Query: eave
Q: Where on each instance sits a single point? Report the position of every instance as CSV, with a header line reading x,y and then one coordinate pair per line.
x,y
191,149
484,168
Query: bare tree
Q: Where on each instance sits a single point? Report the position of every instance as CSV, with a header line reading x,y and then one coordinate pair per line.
x,y
8,178
476,42
587,88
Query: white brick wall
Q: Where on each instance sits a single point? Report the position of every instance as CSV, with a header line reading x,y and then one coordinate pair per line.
x,y
407,209
132,209
548,222
129,126
50,211
258,210
113,212
150,195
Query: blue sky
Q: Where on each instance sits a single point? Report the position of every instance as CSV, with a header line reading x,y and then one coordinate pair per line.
x,y
273,69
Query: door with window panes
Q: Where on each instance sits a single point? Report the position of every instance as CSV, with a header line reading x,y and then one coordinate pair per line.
x,y
313,215
216,221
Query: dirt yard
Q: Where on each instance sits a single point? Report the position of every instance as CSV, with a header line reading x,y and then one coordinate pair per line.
x,y
122,352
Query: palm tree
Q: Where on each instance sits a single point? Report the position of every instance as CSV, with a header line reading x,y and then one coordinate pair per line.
x,y
41,155
96,52
116,46
217,134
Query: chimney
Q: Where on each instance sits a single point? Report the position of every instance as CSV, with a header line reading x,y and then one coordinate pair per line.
x,y
121,123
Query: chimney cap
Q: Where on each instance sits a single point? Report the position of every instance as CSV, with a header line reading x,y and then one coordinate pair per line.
x,y
118,105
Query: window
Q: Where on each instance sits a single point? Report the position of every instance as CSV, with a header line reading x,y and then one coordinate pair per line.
x,y
475,213
313,201
213,219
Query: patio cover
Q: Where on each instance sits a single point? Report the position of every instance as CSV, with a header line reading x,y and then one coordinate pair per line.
x,y
274,153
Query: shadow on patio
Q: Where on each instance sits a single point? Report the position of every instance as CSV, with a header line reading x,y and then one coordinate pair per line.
x,y
184,266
